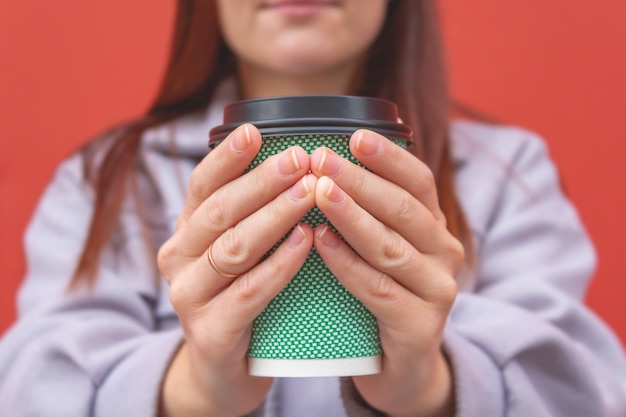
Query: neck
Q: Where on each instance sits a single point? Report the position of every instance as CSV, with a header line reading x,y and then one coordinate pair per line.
x,y
257,82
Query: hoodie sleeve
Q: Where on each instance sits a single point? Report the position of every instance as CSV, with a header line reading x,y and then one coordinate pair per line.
x,y
522,342
99,352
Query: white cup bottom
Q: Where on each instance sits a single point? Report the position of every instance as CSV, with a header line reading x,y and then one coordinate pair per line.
x,y
314,367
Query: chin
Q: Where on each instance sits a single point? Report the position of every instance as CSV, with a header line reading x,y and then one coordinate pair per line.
x,y
307,58
303,63
303,66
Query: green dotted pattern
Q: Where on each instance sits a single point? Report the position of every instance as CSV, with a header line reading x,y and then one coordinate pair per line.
x,y
314,317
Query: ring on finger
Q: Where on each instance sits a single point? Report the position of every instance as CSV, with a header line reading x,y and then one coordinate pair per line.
x,y
217,268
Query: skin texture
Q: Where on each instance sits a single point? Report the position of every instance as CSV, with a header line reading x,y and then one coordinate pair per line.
x,y
407,273
279,54
209,375
405,277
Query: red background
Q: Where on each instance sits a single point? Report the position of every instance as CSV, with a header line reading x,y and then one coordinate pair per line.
x,y
70,68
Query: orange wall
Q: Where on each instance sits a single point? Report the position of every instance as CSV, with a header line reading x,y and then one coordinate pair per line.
x,y
69,69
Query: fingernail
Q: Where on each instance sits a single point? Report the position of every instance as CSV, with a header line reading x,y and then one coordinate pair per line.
x,y
300,189
367,144
296,237
288,163
329,164
330,190
241,139
328,238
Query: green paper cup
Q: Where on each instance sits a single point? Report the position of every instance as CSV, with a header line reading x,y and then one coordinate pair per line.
x,y
314,327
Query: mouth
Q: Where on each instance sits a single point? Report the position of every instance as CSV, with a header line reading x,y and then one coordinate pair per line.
x,y
299,8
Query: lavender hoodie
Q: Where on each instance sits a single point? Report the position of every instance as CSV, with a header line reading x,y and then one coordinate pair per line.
x,y
520,339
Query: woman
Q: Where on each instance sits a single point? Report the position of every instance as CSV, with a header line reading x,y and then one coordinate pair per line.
x,y
471,206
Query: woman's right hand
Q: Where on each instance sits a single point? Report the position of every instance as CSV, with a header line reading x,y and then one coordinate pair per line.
x,y
239,218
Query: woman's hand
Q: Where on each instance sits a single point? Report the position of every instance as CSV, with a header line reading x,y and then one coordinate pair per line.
x,y
399,260
238,219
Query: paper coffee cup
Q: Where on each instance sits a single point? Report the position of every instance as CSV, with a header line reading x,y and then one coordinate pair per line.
x,y
314,327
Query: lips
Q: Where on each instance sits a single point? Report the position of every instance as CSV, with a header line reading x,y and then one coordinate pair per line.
x,y
276,4
298,9
299,2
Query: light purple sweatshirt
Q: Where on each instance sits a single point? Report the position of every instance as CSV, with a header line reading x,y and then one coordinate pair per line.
x,y
520,339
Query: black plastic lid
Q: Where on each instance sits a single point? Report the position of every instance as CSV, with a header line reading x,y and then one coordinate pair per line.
x,y
292,115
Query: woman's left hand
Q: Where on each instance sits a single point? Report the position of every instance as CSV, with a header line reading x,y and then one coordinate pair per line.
x,y
399,259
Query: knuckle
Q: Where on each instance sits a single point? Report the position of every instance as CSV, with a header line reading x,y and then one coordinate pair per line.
x,y
233,249
393,254
351,265
454,254
419,262
448,290
196,186
259,181
257,178
427,181
404,211
177,295
359,183
217,216
441,217
247,290
383,287
166,258
179,223
275,210
458,253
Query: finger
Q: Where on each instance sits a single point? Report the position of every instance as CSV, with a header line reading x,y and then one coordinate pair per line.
x,y
223,164
249,294
389,253
241,247
236,200
252,239
397,165
378,292
251,291
388,202
402,315
385,297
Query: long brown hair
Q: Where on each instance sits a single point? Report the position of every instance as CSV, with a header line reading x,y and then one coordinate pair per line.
x,y
405,65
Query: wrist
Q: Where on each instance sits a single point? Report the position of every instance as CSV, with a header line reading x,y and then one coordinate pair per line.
x,y
437,397
181,395
419,390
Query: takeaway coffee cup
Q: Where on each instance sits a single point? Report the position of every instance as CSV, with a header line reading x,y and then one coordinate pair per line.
x,y
314,327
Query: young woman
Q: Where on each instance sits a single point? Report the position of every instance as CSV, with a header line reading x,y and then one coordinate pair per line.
x,y
476,277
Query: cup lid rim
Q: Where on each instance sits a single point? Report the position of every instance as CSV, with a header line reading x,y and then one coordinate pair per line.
x,y
313,114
